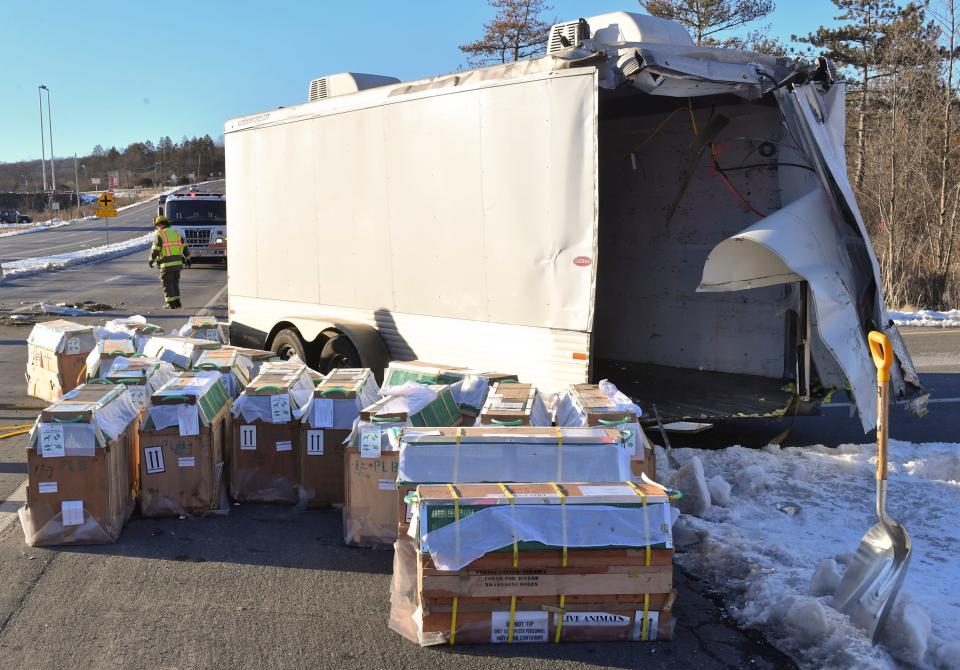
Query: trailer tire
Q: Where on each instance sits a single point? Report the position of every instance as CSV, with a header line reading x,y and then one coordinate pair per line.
x,y
338,352
287,344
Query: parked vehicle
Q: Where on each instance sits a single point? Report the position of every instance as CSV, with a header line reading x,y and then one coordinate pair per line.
x,y
202,220
163,200
13,216
630,206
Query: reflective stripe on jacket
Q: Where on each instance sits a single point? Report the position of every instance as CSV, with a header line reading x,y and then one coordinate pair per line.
x,y
169,249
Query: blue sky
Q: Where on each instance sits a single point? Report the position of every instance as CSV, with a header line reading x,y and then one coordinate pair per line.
x,y
127,71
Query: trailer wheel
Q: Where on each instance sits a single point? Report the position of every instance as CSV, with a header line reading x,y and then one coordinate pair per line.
x,y
288,344
338,352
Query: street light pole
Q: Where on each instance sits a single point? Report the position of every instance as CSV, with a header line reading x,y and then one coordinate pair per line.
x,y
53,171
43,140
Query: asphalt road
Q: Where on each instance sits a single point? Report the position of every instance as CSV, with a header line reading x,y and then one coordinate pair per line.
x,y
131,222
265,587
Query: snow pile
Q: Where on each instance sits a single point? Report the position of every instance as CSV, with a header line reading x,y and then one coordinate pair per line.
x,y
926,317
36,228
31,266
790,521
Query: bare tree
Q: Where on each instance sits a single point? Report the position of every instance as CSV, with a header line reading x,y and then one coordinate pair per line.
x,y
518,31
705,19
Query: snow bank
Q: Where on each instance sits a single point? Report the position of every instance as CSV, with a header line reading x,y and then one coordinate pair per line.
x,y
32,266
794,518
926,317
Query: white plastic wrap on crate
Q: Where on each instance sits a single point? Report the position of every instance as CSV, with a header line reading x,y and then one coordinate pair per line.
x,y
501,455
471,392
342,413
62,340
135,327
230,380
183,353
203,328
539,414
81,439
568,414
458,544
264,407
187,417
161,372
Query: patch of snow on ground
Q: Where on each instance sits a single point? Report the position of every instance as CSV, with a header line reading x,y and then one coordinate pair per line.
x,y
31,266
926,317
796,516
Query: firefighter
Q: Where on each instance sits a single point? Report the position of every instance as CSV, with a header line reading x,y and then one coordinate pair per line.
x,y
170,252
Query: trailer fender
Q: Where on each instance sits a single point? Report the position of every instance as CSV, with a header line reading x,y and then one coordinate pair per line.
x,y
364,338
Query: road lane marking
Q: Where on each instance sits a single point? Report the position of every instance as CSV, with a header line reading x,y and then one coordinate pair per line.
x,y
932,401
113,278
206,308
9,507
931,330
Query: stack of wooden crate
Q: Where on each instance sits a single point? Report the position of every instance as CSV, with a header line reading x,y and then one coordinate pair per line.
x,y
508,563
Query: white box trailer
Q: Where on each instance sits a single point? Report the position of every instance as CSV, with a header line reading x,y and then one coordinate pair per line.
x,y
632,207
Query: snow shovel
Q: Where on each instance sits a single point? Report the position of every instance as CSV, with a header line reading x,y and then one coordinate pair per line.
x,y
870,586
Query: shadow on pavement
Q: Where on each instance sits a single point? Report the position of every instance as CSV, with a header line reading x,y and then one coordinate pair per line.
x,y
267,535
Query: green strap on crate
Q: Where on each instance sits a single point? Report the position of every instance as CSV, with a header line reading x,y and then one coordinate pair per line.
x,y
514,422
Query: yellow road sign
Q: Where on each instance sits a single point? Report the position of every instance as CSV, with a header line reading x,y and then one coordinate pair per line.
x,y
106,212
105,200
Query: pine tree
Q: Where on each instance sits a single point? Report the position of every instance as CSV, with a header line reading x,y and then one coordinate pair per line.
x,y
705,19
862,43
516,32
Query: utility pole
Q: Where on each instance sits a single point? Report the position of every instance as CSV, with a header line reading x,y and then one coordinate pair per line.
x,y
43,140
76,182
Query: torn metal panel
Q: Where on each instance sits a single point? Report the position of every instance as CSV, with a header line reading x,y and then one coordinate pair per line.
x,y
804,237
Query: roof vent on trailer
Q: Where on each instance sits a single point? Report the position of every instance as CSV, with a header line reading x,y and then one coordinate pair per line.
x,y
344,83
565,35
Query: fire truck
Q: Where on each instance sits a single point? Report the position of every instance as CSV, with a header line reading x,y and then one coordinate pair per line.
x,y
202,220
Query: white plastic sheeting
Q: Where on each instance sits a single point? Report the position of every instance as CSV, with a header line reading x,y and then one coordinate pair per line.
x,y
454,546
81,439
263,407
342,413
140,393
471,391
135,327
503,456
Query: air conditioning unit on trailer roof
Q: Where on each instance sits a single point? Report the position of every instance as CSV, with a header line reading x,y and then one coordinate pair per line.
x,y
344,83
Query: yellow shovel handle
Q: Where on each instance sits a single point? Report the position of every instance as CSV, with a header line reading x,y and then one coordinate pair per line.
x,y
882,354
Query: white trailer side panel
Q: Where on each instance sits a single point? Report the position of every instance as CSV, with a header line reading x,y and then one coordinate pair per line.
x,y
411,207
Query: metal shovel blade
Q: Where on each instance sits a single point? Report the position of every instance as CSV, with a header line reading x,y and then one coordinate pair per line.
x,y
871,583
873,579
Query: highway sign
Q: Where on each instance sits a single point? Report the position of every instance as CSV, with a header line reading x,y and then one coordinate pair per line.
x,y
106,212
105,200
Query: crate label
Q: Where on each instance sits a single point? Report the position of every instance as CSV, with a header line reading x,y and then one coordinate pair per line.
x,y
510,582
71,512
153,460
511,406
607,491
47,487
653,621
51,440
387,484
248,437
527,626
213,334
594,619
370,437
280,408
185,461
409,512
314,443
73,347
285,446
323,413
